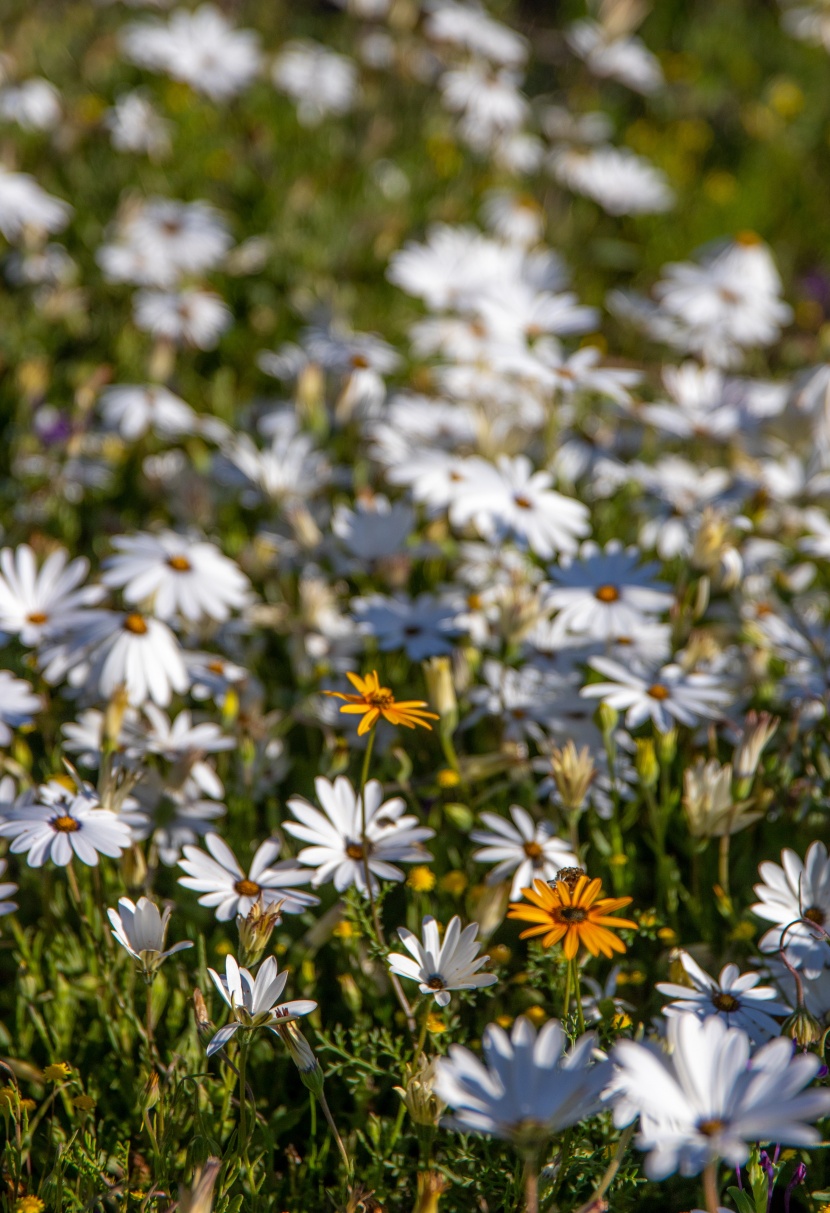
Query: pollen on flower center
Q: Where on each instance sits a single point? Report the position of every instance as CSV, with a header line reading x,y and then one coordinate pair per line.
x,y
571,914
65,824
710,1128
37,617
725,1002
382,698
435,982
355,850
359,362
816,915
533,850
180,564
607,593
135,624
658,691
247,888
524,503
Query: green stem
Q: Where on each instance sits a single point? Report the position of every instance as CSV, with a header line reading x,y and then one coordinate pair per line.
x,y
580,1018
723,864
566,1001
608,1178
532,1185
242,1144
330,1121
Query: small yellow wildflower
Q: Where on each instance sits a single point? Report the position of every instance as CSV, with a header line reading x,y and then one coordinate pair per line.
x,y
504,1021
667,935
743,932
435,1024
28,1204
454,883
536,1014
448,778
648,919
374,701
57,1071
8,1099
421,879
500,953
621,1020
344,930
83,1103
27,1105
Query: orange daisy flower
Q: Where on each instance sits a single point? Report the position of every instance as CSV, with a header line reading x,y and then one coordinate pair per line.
x,y
573,910
374,701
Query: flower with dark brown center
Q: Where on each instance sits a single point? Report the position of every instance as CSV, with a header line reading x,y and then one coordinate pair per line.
x,y
725,1002
66,824
607,593
247,888
658,691
179,564
574,914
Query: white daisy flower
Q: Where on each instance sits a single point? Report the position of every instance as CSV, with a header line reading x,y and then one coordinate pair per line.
x,y
529,849
201,48
34,104
24,206
605,594
34,602
253,1000
736,996
511,499
136,126
179,574
164,240
142,930
529,1088
622,182
668,696
706,1100
338,850
7,889
18,705
796,897
440,967
63,824
186,317
318,80
226,887
423,627
133,410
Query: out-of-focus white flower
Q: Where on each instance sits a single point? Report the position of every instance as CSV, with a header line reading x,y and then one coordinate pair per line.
x,y
796,898
24,206
201,48
187,317
136,126
622,182
33,104
318,80
133,409
35,602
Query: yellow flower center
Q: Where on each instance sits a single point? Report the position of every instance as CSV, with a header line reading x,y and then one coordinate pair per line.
x,y
658,691
710,1128
135,624
533,850
247,888
523,503
355,850
65,824
180,564
381,698
37,617
607,593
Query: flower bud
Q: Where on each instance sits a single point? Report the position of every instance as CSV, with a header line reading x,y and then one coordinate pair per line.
x,y
759,730
419,1097
803,1027
608,719
431,1186
573,773
441,691
255,930
151,1091
646,762
114,717
200,1197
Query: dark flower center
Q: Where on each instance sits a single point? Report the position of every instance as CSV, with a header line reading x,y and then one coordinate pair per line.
x,y
533,850
571,914
725,1002
65,824
710,1128
436,982
816,915
179,564
658,691
523,503
355,851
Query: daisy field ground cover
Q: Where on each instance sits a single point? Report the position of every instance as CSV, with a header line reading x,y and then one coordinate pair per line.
x,y
414,606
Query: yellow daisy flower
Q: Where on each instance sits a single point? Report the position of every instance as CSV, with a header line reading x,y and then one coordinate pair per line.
x,y
374,701
573,911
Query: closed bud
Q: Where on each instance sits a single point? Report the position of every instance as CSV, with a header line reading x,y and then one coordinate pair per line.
x,y
608,719
114,717
803,1027
441,691
419,1097
152,1092
431,1186
255,930
646,762
203,1024
759,729
667,746
573,773
710,541
350,991
199,1199
134,867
